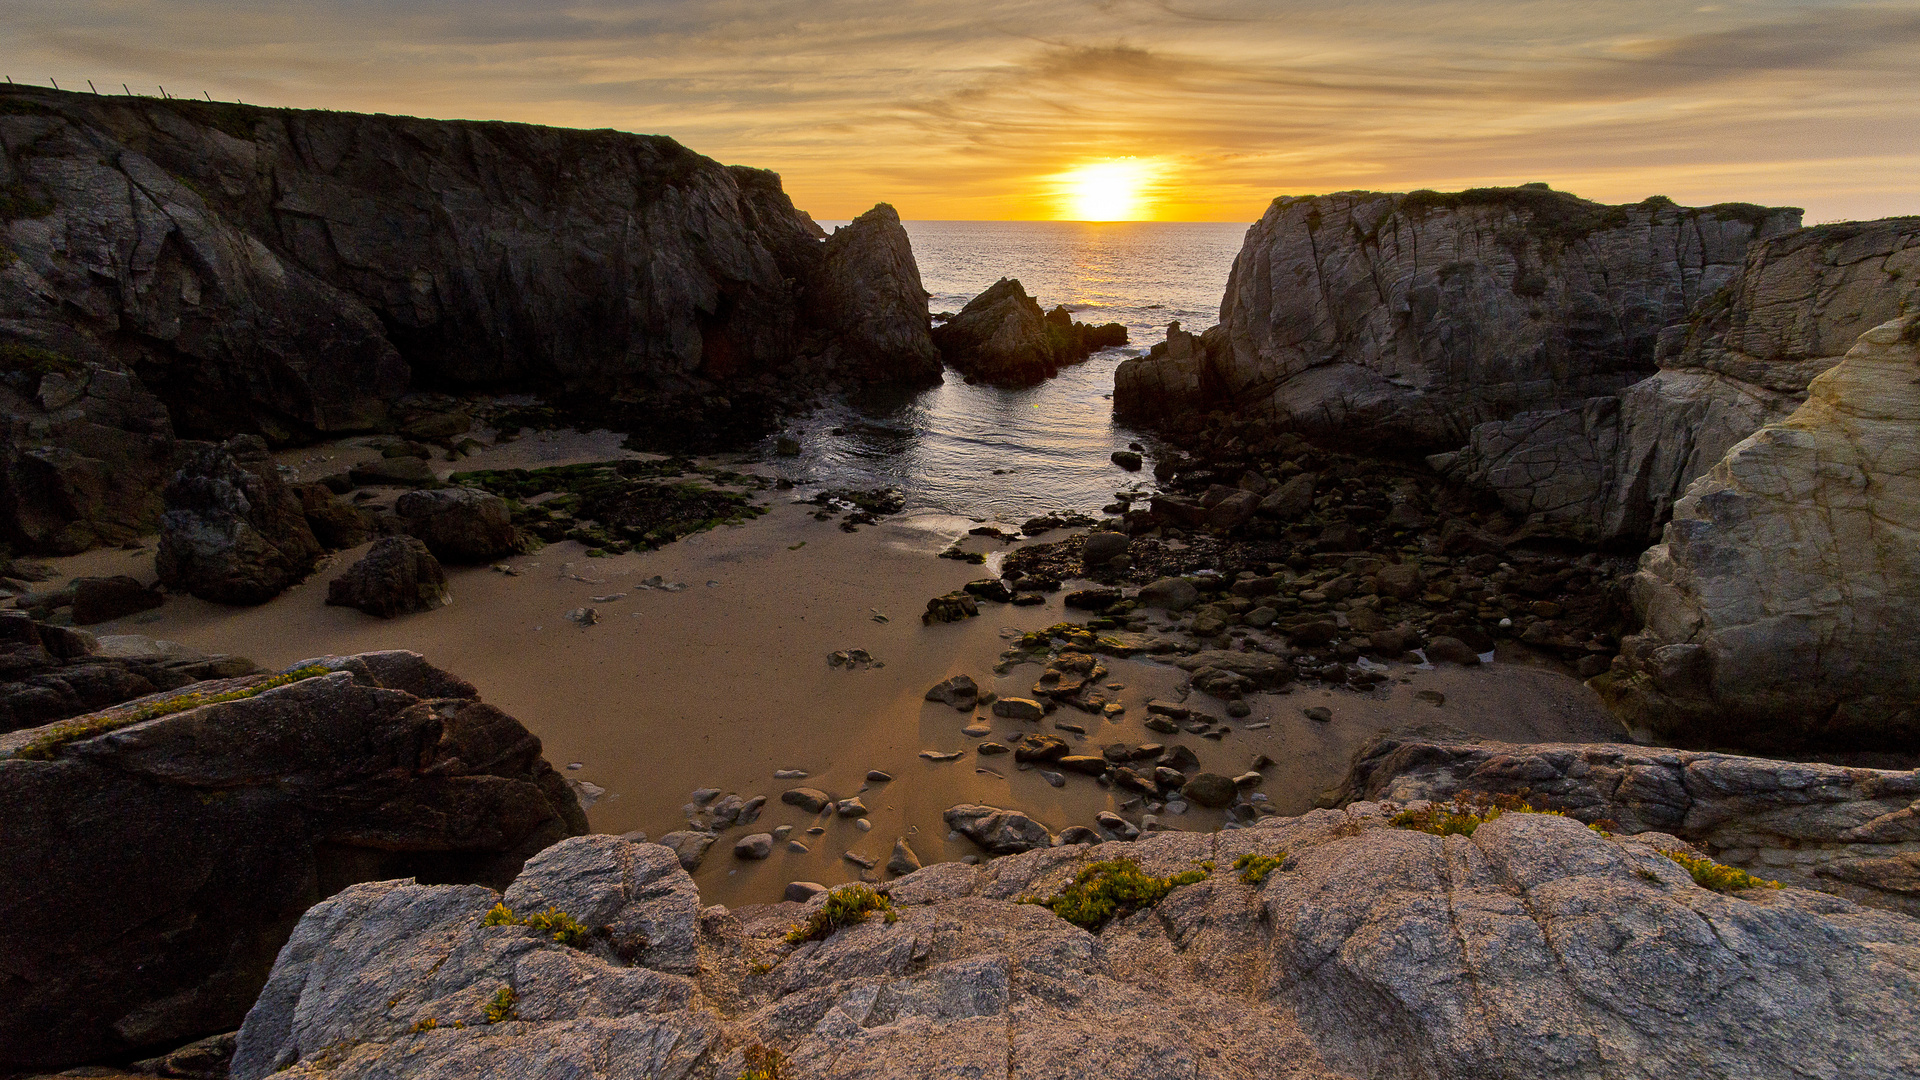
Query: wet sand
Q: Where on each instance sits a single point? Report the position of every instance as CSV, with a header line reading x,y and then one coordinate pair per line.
x,y
722,683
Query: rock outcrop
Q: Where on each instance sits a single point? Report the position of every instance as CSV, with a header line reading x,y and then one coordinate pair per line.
x,y
293,273
397,576
868,302
1417,317
1780,605
1848,831
185,845
53,672
233,532
459,525
1002,338
1534,947
1610,469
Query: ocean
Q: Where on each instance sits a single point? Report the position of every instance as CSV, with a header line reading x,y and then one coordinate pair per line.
x,y
982,452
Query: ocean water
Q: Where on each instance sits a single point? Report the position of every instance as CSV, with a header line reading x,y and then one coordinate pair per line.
x,y
982,452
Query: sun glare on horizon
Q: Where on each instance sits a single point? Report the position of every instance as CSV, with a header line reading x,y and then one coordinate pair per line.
x,y
1107,191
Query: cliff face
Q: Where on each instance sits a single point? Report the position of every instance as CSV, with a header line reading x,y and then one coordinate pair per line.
x,y
1611,469
1416,317
292,273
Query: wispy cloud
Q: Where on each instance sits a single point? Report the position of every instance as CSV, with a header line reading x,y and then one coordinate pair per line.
x,y
966,109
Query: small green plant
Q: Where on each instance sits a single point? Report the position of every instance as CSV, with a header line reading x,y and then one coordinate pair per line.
x,y
424,1025
552,922
58,735
763,1063
1468,811
502,1007
1255,868
844,907
1114,887
1718,876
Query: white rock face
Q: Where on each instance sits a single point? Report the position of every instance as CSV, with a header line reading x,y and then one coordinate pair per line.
x,y
1785,601
1536,947
1416,317
1610,469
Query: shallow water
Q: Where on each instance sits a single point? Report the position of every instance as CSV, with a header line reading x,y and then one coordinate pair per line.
x,y
983,452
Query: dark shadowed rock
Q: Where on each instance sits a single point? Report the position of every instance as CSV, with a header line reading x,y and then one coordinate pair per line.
x,y
397,576
233,532
1002,338
869,302
97,600
193,842
459,525
335,524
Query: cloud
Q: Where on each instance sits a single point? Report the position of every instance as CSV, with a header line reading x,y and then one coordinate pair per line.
x,y
964,109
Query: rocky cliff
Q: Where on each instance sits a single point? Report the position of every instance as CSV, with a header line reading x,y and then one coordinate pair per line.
x,y
1781,604
1417,317
291,273
1330,945
1610,469
157,853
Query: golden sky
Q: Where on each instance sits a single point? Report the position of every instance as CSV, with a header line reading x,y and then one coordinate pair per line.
x,y
991,109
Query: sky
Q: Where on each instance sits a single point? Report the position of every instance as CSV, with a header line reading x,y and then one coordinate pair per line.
x,y
1165,109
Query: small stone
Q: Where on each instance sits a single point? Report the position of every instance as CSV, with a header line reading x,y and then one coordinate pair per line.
x,y
1169,708
1053,778
781,832
903,860
1451,650
812,800
1238,709
988,749
1210,790
790,774
960,691
1161,724
865,862
1063,725
1015,708
852,808
875,776
1318,713
979,729
940,755
756,846
1176,806
862,824
803,891
1431,697
797,847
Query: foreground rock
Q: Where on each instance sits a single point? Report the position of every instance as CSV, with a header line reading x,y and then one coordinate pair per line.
x,y
1001,338
1779,606
1610,469
397,576
459,525
1586,957
1848,831
1416,317
194,840
233,532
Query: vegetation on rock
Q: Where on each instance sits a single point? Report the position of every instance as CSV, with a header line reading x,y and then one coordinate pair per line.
x,y
1718,876
844,907
503,1006
1255,868
1116,887
58,735
613,506
1468,811
552,922
763,1063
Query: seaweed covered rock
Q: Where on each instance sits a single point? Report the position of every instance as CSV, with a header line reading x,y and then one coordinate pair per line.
x,y
1310,948
194,826
233,532
397,576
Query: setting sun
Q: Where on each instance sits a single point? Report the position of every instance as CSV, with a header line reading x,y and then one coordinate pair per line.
x,y
1106,191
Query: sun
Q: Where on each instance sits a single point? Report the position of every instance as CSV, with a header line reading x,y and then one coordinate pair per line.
x,y
1106,190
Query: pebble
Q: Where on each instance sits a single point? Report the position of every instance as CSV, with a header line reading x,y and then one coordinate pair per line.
x,y
1431,697
978,729
1053,778
862,824
940,755
851,808
864,862
1261,726
797,847
817,830
878,777
572,765
803,891
1063,725
1176,806
756,846
1237,709
705,795
607,599
780,832
789,774
1319,713
987,749
970,860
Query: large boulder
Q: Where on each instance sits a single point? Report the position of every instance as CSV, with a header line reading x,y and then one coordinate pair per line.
x,y
1846,831
1002,338
233,532
1587,957
1366,316
459,525
868,300
1610,469
1779,605
194,837
397,576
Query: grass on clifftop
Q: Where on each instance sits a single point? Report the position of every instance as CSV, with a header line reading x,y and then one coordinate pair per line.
x,y
1468,811
86,727
1718,876
552,922
1104,890
844,907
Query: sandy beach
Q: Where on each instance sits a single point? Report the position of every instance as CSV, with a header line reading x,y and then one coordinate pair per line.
x,y
726,680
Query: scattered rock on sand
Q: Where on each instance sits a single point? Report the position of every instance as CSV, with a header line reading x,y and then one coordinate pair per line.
x,y
690,847
812,800
755,846
233,532
1170,594
397,576
459,525
98,600
941,755
803,891
960,691
1002,832
1017,708
1451,650
903,860
1100,548
1318,713
1210,790
851,808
